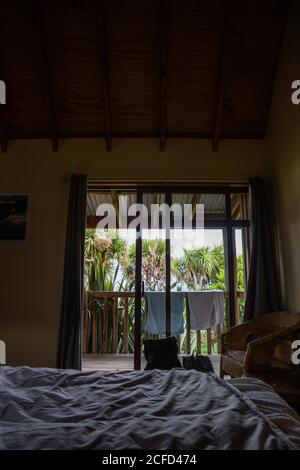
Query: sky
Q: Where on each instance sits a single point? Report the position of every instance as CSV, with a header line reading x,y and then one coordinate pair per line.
x,y
186,239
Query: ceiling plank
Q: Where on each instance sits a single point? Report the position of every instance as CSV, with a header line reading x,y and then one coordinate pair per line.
x,y
143,114
103,53
46,74
163,73
224,71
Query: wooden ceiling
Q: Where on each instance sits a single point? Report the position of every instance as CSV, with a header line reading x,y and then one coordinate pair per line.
x,y
150,68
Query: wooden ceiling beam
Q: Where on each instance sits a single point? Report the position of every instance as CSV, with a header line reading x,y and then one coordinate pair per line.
x,y
163,74
103,53
224,71
46,74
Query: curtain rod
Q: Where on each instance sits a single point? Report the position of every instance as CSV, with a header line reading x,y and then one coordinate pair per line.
x,y
196,181
134,183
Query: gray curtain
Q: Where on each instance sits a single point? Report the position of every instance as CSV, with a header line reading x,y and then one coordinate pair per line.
x,y
69,341
263,289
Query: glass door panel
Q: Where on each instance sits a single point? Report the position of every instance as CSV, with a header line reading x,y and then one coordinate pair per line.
x,y
109,273
187,241
242,269
154,266
198,266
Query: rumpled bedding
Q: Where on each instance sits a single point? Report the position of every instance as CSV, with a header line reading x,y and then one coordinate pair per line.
x,y
154,410
280,414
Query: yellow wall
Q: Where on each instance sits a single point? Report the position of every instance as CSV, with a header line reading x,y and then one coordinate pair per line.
x,y
31,276
284,145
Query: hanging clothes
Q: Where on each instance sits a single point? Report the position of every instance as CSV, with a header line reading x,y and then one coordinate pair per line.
x,y
206,309
155,322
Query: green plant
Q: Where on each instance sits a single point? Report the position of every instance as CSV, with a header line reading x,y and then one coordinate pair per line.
x,y
103,254
196,268
110,266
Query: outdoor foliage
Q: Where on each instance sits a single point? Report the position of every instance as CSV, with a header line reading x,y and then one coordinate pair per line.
x,y
110,266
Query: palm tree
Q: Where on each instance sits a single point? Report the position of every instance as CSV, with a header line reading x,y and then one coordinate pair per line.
x,y
179,271
196,267
153,262
103,256
207,264
104,253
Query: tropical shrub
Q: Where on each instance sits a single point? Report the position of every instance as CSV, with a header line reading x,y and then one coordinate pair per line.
x,y
110,266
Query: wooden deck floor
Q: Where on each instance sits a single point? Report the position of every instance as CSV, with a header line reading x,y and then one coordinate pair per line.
x,y
91,362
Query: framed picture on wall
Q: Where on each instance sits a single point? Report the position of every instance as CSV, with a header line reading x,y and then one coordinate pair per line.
x,y
14,218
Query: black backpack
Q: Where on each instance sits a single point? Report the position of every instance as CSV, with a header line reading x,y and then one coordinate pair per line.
x,y
161,354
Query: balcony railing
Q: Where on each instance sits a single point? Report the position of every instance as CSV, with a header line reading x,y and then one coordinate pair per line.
x,y
108,325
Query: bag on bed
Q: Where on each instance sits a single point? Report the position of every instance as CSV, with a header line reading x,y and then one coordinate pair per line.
x,y
198,362
161,354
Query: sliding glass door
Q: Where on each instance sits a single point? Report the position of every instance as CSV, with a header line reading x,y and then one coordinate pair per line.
x,y
191,241
148,248
152,270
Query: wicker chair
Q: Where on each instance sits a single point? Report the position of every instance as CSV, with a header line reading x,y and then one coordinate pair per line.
x,y
260,345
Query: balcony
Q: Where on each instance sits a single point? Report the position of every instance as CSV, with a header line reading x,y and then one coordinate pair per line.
x,y
108,331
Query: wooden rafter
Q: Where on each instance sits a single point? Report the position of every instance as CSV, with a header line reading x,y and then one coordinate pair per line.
x,y
163,74
103,52
46,75
224,71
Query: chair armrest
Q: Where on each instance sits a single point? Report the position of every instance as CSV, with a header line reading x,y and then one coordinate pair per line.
x,y
261,351
236,337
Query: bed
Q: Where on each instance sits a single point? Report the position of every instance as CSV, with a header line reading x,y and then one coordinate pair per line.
x,y
44,408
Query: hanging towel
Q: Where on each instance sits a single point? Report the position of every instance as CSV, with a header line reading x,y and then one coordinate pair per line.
x,y
156,313
206,309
